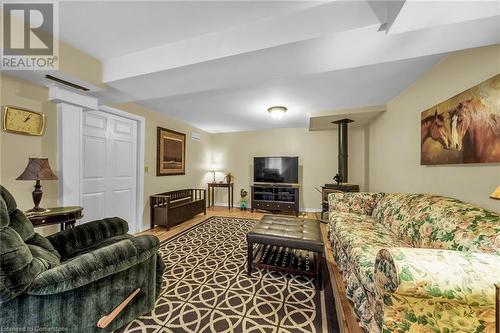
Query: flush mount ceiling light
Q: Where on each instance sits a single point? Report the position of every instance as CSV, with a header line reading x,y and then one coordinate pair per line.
x,y
277,111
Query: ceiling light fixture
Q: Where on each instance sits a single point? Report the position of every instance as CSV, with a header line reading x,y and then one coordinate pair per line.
x,y
277,111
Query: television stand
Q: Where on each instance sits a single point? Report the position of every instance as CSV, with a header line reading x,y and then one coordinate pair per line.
x,y
276,198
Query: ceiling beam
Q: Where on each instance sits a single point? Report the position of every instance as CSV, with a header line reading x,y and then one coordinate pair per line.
x,y
411,15
317,21
339,51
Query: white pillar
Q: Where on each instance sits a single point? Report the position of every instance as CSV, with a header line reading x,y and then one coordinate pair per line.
x,y
68,153
70,107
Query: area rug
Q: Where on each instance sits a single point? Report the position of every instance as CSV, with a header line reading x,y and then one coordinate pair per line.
x,y
207,288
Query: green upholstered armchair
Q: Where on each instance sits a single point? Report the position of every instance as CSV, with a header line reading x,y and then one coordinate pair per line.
x,y
69,280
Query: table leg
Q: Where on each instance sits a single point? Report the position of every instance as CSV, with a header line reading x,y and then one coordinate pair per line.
x,y
249,257
213,196
232,196
319,270
229,197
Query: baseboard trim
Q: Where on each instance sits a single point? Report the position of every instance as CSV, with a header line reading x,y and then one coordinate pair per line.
x,y
311,210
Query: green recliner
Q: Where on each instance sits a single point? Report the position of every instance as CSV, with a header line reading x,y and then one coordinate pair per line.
x,y
69,280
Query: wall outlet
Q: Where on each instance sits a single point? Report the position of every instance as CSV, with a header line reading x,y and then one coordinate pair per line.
x,y
146,169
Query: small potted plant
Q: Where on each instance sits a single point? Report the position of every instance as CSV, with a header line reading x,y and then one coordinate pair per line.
x,y
243,199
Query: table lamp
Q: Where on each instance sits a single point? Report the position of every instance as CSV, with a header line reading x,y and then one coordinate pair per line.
x,y
496,194
213,169
37,169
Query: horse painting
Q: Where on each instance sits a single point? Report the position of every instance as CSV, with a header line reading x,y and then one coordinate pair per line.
x,y
478,129
437,128
464,128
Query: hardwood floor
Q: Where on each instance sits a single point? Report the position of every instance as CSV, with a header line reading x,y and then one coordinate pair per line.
x,y
162,233
346,318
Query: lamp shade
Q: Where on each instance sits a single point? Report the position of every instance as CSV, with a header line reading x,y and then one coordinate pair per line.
x,y
496,194
37,169
214,167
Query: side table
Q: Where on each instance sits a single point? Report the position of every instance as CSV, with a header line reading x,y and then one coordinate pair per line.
x,y
211,194
65,216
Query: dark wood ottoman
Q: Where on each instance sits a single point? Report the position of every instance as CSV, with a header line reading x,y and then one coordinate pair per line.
x,y
288,244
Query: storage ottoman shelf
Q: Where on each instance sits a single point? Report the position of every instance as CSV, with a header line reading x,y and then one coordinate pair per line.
x,y
285,259
286,244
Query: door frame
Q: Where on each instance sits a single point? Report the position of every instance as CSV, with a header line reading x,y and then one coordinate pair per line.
x,y
70,108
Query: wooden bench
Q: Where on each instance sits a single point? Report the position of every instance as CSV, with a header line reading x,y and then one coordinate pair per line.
x,y
171,208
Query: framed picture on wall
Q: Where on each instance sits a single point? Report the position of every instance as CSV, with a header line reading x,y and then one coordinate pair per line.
x,y
464,128
171,152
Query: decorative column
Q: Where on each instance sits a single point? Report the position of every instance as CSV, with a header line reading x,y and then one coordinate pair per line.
x,y
70,107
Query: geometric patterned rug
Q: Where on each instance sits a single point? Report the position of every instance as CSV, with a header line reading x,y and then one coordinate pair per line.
x,y
206,288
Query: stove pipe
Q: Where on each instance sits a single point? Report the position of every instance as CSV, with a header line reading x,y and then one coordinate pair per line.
x,y
342,129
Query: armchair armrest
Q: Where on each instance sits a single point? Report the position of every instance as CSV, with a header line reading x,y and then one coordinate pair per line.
x,y
463,277
94,265
353,202
70,240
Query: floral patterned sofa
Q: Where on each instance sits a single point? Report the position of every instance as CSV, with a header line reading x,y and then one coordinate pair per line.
x,y
416,262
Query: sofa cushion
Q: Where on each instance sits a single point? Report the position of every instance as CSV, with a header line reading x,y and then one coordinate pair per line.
x,y
13,217
19,264
359,203
18,268
95,265
41,248
20,223
43,242
432,221
71,240
9,200
49,259
4,213
395,211
447,223
361,237
97,245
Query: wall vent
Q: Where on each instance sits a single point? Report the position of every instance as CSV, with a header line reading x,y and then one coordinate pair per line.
x,y
67,83
196,136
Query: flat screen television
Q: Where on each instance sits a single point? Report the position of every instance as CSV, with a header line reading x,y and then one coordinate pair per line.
x,y
279,169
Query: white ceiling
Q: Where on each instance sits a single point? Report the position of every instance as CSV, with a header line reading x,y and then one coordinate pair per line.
x,y
108,29
244,108
220,65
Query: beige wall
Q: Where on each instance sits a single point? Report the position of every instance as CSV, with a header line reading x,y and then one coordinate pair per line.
x,y
395,136
317,153
198,155
16,148
79,65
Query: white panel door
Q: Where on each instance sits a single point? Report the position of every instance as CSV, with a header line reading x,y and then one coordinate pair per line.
x,y
109,175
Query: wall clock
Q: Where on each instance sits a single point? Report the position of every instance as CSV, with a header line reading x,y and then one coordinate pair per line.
x,y
22,121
